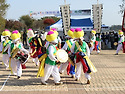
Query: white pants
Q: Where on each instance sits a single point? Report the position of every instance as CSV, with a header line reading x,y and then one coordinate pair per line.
x,y
119,48
78,71
91,48
51,69
16,67
63,66
36,60
6,60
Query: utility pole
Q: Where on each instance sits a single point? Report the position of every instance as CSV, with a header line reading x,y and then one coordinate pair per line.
x,y
65,2
97,1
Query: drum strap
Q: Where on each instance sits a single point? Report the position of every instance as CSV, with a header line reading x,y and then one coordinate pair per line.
x,y
78,46
68,43
13,49
5,44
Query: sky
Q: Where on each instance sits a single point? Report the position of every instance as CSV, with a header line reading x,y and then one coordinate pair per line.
x,y
110,16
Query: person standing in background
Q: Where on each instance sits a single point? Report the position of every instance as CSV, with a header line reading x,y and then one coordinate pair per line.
x,y
112,40
24,38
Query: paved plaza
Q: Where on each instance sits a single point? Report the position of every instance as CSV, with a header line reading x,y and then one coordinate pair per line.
x,y
109,79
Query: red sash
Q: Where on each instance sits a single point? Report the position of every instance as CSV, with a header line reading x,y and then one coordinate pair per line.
x,y
23,66
69,65
96,43
79,58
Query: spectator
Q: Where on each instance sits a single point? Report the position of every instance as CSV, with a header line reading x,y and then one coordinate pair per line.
x,y
24,38
103,40
112,40
116,39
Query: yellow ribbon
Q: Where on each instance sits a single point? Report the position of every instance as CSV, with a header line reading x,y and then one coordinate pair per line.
x,y
10,65
33,52
69,60
41,67
40,42
92,67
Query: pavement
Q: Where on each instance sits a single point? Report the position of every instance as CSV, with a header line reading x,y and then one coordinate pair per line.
x,y
109,78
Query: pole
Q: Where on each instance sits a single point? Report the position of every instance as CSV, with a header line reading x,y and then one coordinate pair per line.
x,y
97,1
65,2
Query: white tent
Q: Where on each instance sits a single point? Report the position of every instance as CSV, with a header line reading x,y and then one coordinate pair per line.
x,y
57,25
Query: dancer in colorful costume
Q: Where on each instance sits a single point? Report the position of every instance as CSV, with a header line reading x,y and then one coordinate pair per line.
x,y
32,46
15,64
121,43
93,42
67,46
51,61
81,50
58,38
4,47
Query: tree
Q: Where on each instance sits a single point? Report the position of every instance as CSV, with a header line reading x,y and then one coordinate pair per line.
x,y
26,20
116,27
14,25
2,24
3,9
38,24
122,6
53,17
49,21
17,26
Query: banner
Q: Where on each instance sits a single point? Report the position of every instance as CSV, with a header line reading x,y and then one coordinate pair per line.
x,y
80,12
58,13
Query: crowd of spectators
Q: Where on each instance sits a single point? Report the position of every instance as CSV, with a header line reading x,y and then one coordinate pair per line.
x,y
108,39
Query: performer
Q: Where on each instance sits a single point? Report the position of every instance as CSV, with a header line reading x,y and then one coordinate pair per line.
x,y
120,41
16,67
67,46
51,61
82,52
58,38
93,42
32,46
4,47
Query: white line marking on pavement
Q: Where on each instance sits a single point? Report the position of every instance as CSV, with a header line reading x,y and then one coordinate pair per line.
x,y
5,82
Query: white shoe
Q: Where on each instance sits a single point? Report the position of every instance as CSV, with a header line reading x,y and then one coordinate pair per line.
x,y
98,51
59,83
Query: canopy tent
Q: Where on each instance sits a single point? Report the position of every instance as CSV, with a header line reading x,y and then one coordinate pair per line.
x,y
57,25
86,24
